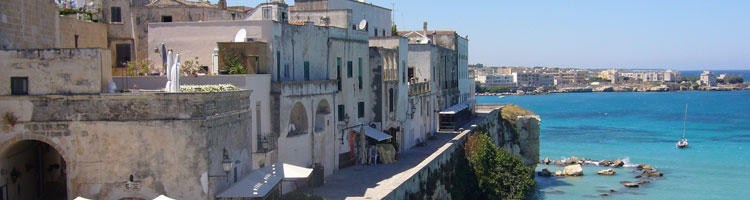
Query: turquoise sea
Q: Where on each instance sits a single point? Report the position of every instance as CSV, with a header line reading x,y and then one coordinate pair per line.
x,y
643,128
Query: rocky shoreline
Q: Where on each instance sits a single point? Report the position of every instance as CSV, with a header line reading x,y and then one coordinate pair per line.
x,y
574,167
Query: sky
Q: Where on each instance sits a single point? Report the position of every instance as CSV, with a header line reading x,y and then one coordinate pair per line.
x,y
642,34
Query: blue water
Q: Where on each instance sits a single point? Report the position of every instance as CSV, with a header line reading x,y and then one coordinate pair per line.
x,y
696,73
644,128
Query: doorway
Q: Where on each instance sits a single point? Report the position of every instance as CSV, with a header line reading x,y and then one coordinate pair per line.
x,y
35,169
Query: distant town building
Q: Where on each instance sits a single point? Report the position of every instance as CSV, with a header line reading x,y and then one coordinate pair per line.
x,y
708,78
497,80
533,79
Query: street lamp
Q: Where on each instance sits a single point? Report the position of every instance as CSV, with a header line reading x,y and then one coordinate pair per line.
x,y
226,164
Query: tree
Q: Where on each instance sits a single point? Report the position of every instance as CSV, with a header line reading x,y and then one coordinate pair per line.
x,y
501,174
478,87
734,79
394,30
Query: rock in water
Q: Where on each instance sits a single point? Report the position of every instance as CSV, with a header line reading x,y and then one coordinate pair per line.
x,y
624,182
656,174
544,173
558,162
605,163
606,172
571,160
644,182
573,170
618,163
631,184
546,161
648,167
558,173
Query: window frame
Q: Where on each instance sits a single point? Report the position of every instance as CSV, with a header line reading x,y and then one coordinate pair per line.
x,y
24,85
112,14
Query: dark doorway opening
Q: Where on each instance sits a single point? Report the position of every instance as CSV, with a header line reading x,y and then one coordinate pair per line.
x,y
36,171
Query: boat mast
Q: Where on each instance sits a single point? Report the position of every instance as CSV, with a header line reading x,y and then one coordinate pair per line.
x,y
684,123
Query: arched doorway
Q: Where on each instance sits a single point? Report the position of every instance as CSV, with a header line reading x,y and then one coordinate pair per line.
x,y
35,170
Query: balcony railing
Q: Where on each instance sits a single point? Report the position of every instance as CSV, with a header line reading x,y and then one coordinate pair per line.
x,y
417,88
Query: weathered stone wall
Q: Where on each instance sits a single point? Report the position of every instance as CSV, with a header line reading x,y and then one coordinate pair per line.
x,y
90,35
28,24
172,143
56,71
521,139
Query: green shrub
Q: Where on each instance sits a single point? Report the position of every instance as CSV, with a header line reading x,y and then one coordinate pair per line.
x,y
501,175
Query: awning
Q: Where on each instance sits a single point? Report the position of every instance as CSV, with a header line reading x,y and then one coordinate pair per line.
x,y
455,109
295,172
162,197
261,181
374,133
81,198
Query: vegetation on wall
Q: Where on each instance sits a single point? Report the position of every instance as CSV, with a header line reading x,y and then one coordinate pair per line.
x,y
190,67
233,64
89,15
500,174
512,112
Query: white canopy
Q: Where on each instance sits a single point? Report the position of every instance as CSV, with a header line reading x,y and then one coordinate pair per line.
x,y
295,172
81,198
373,133
455,108
162,197
261,181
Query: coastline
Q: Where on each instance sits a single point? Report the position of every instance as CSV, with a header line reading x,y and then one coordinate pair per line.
x,y
621,88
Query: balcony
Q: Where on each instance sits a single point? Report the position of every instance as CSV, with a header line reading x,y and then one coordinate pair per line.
x,y
417,88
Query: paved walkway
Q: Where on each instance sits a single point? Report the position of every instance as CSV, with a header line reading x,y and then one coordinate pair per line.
x,y
376,181
373,181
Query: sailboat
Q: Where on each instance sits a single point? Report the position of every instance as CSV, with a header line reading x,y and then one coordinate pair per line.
x,y
683,143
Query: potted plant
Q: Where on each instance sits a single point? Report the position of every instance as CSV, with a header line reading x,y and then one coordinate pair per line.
x,y
233,65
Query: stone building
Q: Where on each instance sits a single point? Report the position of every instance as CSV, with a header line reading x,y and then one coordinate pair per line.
x,y
127,22
347,14
319,83
64,136
453,69
37,24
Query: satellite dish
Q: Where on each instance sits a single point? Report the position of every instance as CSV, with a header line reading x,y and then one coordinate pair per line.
x,y
240,36
362,24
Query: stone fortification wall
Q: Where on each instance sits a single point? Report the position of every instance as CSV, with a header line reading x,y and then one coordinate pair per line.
x,y
444,171
56,71
171,143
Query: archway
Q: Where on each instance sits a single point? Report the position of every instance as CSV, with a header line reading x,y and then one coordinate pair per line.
x,y
298,120
321,112
35,170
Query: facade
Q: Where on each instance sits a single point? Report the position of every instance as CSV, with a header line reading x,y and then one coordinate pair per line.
x,y
654,76
533,79
37,24
73,140
128,20
495,80
346,14
708,78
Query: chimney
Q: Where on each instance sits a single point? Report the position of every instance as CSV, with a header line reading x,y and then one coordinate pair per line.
x,y
425,27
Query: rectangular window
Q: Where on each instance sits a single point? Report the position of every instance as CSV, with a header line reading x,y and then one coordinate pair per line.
x,y
348,69
361,109
390,99
166,18
307,70
19,85
338,72
403,67
360,73
116,16
411,72
342,113
278,65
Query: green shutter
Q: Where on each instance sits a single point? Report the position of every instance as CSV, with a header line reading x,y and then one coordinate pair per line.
x,y
349,69
360,73
307,71
342,113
